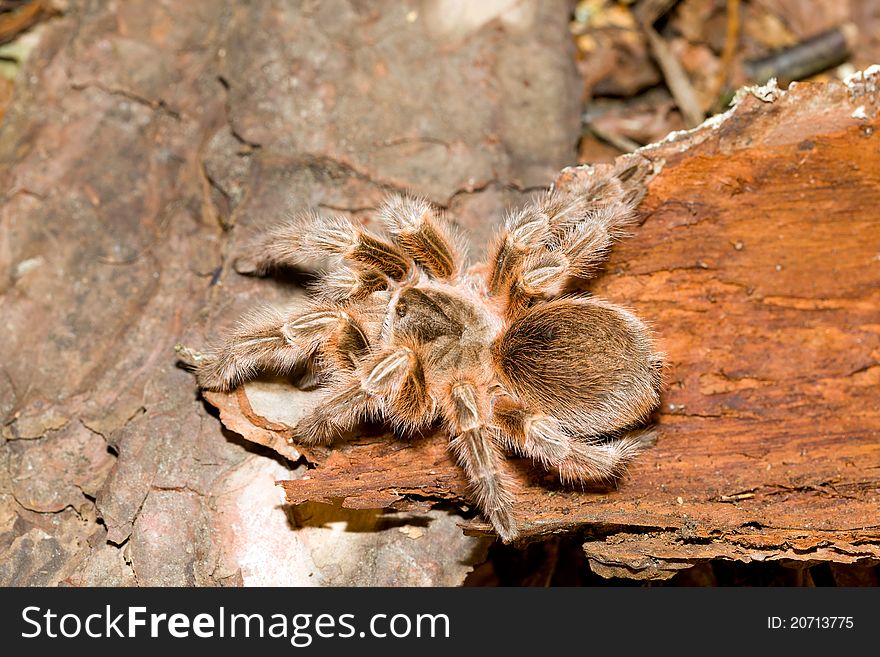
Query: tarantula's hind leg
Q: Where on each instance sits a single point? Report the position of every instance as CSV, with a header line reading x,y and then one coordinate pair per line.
x,y
476,451
565,235
274,340
606,461
541,438
423,235
581,241
525,231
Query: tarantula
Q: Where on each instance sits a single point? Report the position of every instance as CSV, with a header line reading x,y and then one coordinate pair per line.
x,y
504,352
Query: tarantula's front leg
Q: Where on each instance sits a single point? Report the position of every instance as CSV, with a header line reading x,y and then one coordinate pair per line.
x,y
565,235
467,412
314,236
576,251
422,234
391,384
524,232
541,438
271,339
347,405
345,285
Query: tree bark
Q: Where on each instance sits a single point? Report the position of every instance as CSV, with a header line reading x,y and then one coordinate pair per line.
x,y
146,143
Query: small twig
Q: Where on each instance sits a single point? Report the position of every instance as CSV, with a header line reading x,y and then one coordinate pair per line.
x,y
18,17
620,142
731,39
676,79
648,12
736,498
816,54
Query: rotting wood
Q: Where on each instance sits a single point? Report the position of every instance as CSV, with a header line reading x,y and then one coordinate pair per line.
x,y
758,264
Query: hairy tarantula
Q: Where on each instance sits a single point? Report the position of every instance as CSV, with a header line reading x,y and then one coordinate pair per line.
x,y
504,352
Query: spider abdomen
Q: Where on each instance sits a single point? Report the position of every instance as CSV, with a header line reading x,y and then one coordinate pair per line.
x,y
587,363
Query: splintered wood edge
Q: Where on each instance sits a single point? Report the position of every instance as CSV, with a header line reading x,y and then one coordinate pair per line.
x,y
427,473
373,491
423,471
237,416
659,555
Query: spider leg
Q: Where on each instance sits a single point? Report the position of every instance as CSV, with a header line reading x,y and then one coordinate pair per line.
x,y
423,235
578,248
521,261
392,384
344,284
347,405
313,236
609,191
397,377
541,438
407,403
275,340
474,446
604,461
525,231
575,253
567,235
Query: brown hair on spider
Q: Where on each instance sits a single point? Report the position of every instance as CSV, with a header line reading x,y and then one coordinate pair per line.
x,y
503,353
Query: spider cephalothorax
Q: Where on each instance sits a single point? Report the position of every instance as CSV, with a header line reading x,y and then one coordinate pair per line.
x,y
504,353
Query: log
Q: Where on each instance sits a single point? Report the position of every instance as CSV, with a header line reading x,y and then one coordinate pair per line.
x,y
758,264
